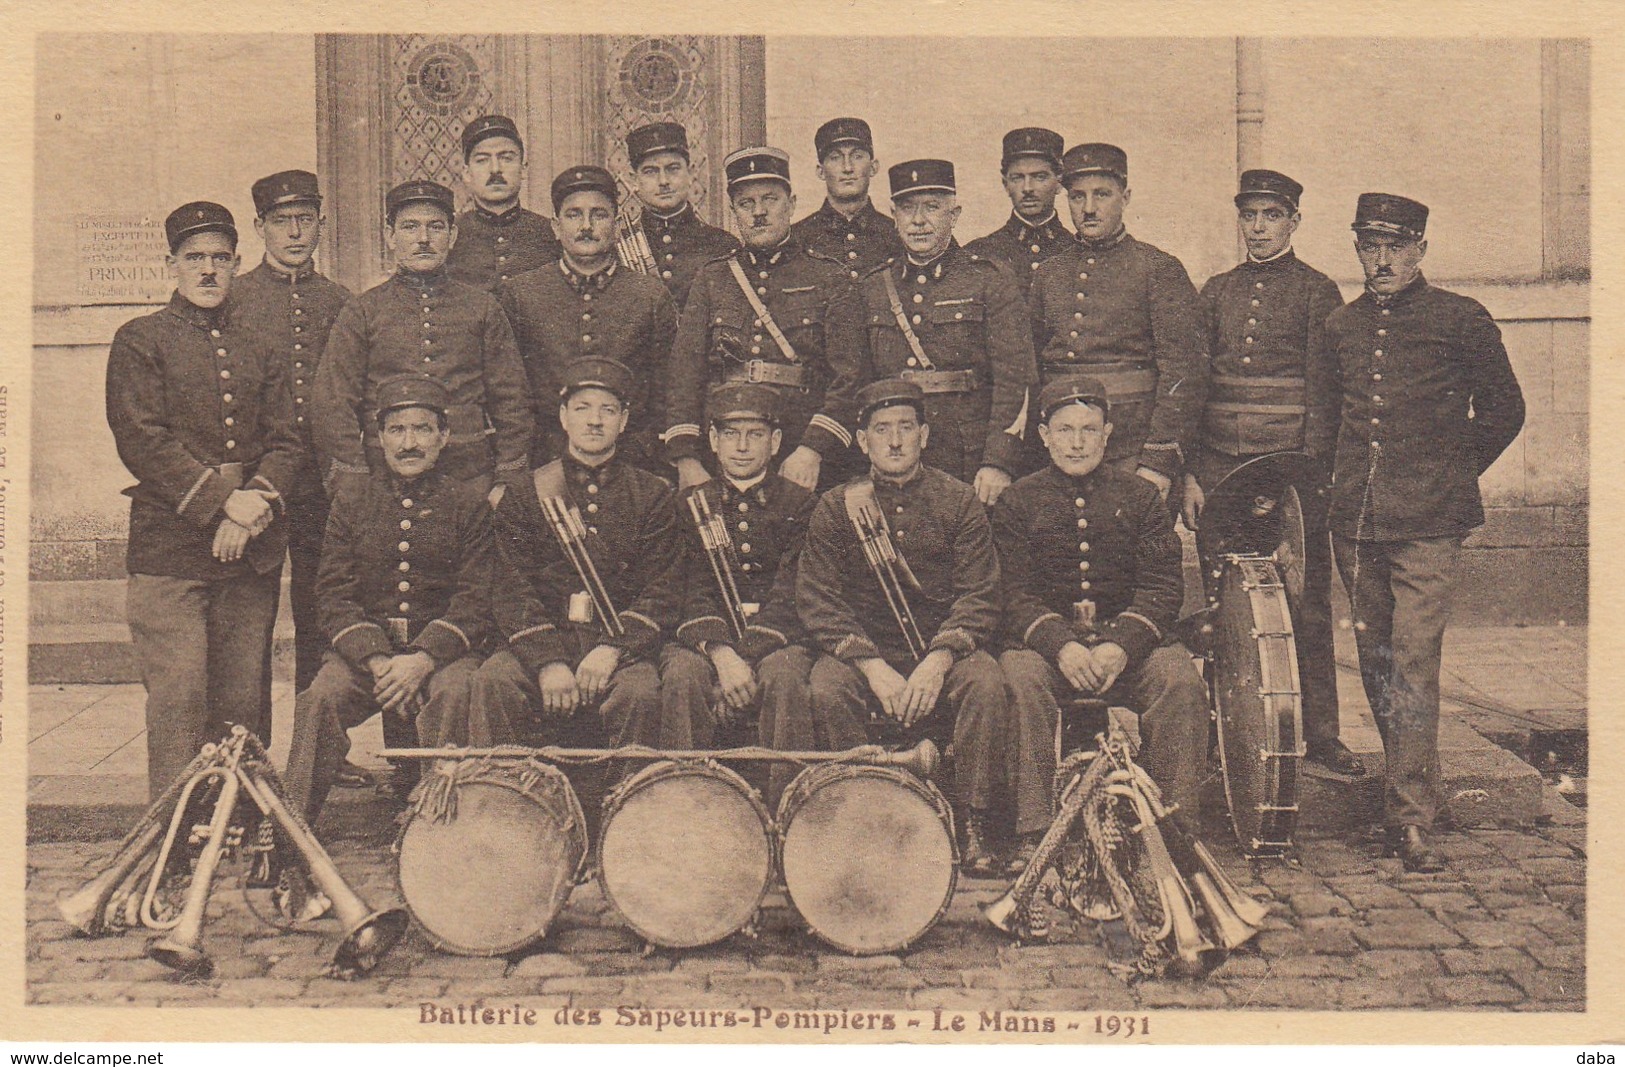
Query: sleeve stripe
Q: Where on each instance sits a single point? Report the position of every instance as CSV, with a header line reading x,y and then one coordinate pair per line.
x,y
650,623
1041,620
840,432
192,492
353,628
543,628
1153,627
454,629
682,429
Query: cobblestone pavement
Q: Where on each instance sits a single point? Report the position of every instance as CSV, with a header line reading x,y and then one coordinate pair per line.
x,y
1502,930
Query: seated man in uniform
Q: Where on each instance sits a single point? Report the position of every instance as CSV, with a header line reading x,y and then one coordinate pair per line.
x,y
564,654
869,678
403,594
1092,584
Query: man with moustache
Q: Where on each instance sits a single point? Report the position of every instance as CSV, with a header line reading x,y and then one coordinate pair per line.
x,y
866,679
1031,172
292,307
1125,313
774,313
1092,584
560,658
676,242
404,590
202,416
1267,340
847,228
1428,403
497,239
954,324
586,304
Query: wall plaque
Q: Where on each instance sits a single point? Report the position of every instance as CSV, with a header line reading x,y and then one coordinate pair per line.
x,y
119,259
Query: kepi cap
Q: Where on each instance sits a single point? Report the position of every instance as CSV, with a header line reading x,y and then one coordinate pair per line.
x,y
1386,213
200,216
285,187
412,391
1072,389
1033,141
1269,183
645,141
420,193
750,164
489,126
842,131
742,400
1094,158
584,179
889,392
597,372
921,176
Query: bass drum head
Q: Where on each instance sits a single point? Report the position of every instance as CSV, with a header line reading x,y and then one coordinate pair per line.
x,y
685,853
491,878
869,856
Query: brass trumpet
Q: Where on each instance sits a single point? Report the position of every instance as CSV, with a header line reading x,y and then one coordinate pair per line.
x,y
1011,912
1179,910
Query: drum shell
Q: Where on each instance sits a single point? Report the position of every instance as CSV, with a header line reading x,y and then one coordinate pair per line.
x,y
868,853
513,838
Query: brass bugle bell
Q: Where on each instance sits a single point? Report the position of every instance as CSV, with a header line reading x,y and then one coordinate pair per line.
x,y
1227,926
182,947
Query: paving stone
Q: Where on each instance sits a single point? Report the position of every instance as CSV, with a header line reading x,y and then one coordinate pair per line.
x,y
836,963
113,947
1532,847
1448,902
1303,995
1553,985
1369,993
496,992
548,965
240,966
460,967
257,989
1366,895
1495,934
901,978
597,939
588,987
1055,955
625,963
1557,957
1400,963
1550,871
838,997
1473,989
1312,967
778,961
955,956
1003,978
1286,879
970,1001
710,963
1077,1000
288,944
658,990
759,984
417,988
1239,966
142,970
1422,932
1273,943
186,992
1567,894
72,993
67,970
1319,902
1174,993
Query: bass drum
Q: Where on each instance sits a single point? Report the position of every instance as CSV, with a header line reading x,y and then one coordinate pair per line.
x,y
869,855
685,853
1258,704
489,854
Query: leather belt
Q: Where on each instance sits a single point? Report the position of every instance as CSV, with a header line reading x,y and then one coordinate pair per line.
x,y
760,370
944,381
1274,395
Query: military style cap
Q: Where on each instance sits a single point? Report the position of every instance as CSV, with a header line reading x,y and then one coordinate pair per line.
x,y
285,187
645,141
1269,183
1386,213
921,176
489,126
1071,389
1032,141
749,164
843,131
584,179
742,400
420,193
596,372
1094,159
200,216
889,392
412,391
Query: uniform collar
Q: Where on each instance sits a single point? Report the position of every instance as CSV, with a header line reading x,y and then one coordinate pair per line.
x,y
770,257
578,473
732,488
1418,286
1024,231
423,483
308,270
582,282
202,318
886,481
1286,255
414,279
659,223
492,218
865,216
936,267
1104,243
1071,484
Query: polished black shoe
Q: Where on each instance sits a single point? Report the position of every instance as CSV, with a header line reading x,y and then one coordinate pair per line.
x,y
1335,756
1026,845
978,860
352,777
1410,844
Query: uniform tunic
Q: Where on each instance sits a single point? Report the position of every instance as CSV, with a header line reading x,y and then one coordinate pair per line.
x,y
859,244
681,244
722,338
560,316
1023,246
493,248
426,324
968,315
1127,313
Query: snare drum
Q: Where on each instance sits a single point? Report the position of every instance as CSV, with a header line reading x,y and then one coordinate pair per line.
x,y
489,854
869,855
685,853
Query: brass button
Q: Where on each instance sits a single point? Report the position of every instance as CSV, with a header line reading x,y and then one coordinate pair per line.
x,y
1078,502
405,607
406,524
405,566
404,546
406,503
405,587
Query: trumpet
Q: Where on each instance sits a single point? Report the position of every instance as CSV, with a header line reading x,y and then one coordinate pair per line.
x,y
886,564
632,245
719,552
1012,912
1178,909
571,534
923,760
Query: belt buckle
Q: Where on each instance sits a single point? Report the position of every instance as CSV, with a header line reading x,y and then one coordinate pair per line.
x,y
753,370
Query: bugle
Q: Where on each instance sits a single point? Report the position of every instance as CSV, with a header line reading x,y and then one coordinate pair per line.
x,y
571,533
718,552
1012,912
1190,945
632,245
883,560
922,760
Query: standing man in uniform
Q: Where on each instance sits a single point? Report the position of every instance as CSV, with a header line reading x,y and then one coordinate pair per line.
x,y
867,676
1266,324
497,239
202,416
674,242
1031,172
775,313
1429,401
1092,585
952,323
847,228
292,307
405,598
1125,313
585,304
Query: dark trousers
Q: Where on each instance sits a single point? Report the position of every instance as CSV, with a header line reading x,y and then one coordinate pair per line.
x,y
341,698
689,701
1400,595
307,523
202,648
1165,689
1312,625
508,697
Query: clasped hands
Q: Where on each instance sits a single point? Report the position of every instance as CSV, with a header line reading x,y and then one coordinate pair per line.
x,y
248,514
564,690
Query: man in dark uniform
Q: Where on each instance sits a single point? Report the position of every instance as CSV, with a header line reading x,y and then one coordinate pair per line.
x,y
497,239
1031,172
847,228
1266,326
1092,584
674,242
1125,313
422,320
764,519
202,416
404,590
954,324
292,307
772,312
1429,401
867,678
586,304
561,657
